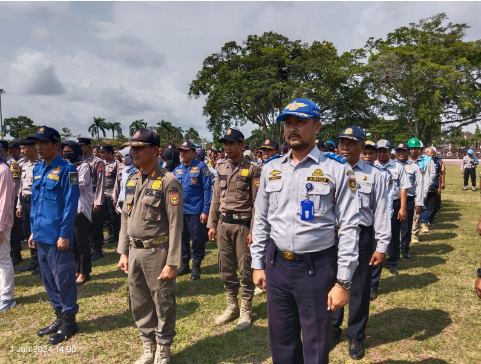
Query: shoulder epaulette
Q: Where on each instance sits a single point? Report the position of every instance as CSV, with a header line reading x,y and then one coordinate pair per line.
x,y
400,163
372,164
336,157
272,158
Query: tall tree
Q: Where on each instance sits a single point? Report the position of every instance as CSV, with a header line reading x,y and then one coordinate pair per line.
x,y
98,126
66,133
115,128
15,126
255,82
192,135
256,138
426,76
169,133
136,126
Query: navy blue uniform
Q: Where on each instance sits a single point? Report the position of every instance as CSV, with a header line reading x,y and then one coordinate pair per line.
x,y
55,195
197,191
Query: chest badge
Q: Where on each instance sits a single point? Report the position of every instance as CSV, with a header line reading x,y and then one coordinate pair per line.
x,y
245,172
156,184
318,173
275,172
193,180
352,184
364,178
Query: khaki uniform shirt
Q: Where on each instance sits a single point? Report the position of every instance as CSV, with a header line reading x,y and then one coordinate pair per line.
x,y
235,190
16,172
153,209
26,180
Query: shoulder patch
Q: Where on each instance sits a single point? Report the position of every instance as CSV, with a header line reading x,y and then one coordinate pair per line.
x,y
336,157
73,178
272,158
174,198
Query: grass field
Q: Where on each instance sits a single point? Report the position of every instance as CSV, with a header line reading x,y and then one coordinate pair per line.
x,y
429,313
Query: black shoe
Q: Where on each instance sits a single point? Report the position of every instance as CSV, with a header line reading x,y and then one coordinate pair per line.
x,y
184,268
373,294
406,255
335,340
86,279
195,269
17,260
356,351
67,329
31,266
393,270
36,271
54,326
97,256
109,239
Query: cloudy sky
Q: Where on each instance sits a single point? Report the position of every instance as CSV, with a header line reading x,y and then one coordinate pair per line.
x,y
63,63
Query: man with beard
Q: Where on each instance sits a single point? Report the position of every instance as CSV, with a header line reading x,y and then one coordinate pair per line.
x,y
302,197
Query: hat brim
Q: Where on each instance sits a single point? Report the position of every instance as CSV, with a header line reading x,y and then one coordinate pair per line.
x,y
137,144
267,147
350,138
302,115
370,146
40,137
401,148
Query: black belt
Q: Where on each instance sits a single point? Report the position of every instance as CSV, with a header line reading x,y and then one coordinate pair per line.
x,y
230,220
26,199
299,257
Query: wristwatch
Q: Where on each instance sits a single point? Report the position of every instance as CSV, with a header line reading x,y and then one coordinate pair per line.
x,y
479,272
344,284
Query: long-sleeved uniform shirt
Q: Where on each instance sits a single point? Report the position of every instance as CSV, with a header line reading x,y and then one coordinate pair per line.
x,y
86,193
126,172
111,171
278,209
196,184
399,177
374,202
428,169
152,209
469,161
55,197
415,176
97,166
26,180
7,196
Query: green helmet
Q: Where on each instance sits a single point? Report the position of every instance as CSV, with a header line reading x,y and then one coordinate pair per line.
x,y
414,143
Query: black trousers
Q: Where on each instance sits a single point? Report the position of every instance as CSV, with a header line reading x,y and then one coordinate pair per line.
x,y
360,291
113,226
433,204
16,234
470,172
297,302
97,230
81,249
401,232
26,208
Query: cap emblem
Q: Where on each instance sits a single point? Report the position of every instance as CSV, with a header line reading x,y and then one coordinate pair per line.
x,y
400,146
229,132
41,130
348,131
295,105
136,135
266,142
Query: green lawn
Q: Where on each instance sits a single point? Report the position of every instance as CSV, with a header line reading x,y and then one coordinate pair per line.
x,y
428,314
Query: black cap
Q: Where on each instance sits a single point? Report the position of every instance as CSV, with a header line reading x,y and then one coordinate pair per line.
x,y
106,148
221,149
330,146
402,146
232,135
370,144
4,144
168,154
46,133
353,133
270,144
86,141
26,142
320,143
187,145
170,146
145,137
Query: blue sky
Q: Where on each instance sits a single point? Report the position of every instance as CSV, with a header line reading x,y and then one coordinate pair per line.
x,y
63,63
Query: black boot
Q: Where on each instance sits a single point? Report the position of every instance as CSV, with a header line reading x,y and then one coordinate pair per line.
x,y
67,328
195,269
54,326
184,268
31,266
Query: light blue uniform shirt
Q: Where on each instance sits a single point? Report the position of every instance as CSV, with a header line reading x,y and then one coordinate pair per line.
x,y
278,209
399,177
415,176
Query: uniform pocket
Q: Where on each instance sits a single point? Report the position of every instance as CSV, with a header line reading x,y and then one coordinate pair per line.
x,y
274,190
319,196
66,272
51,189
243,188
151,210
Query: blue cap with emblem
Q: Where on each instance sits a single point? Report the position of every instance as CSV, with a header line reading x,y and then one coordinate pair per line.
x,y
383,143
47,134
402,146
301,108
353,133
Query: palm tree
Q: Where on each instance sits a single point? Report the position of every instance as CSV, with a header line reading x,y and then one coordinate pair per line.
x,y
136,126
164,129
191,134
97,126
115,127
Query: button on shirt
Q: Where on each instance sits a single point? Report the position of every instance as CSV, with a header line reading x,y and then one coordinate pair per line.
x,y
55,197
196,185
26,180
399,177
373,202
415,175
278,209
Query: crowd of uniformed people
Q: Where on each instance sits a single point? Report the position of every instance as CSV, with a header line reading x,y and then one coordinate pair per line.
x,y
309,223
